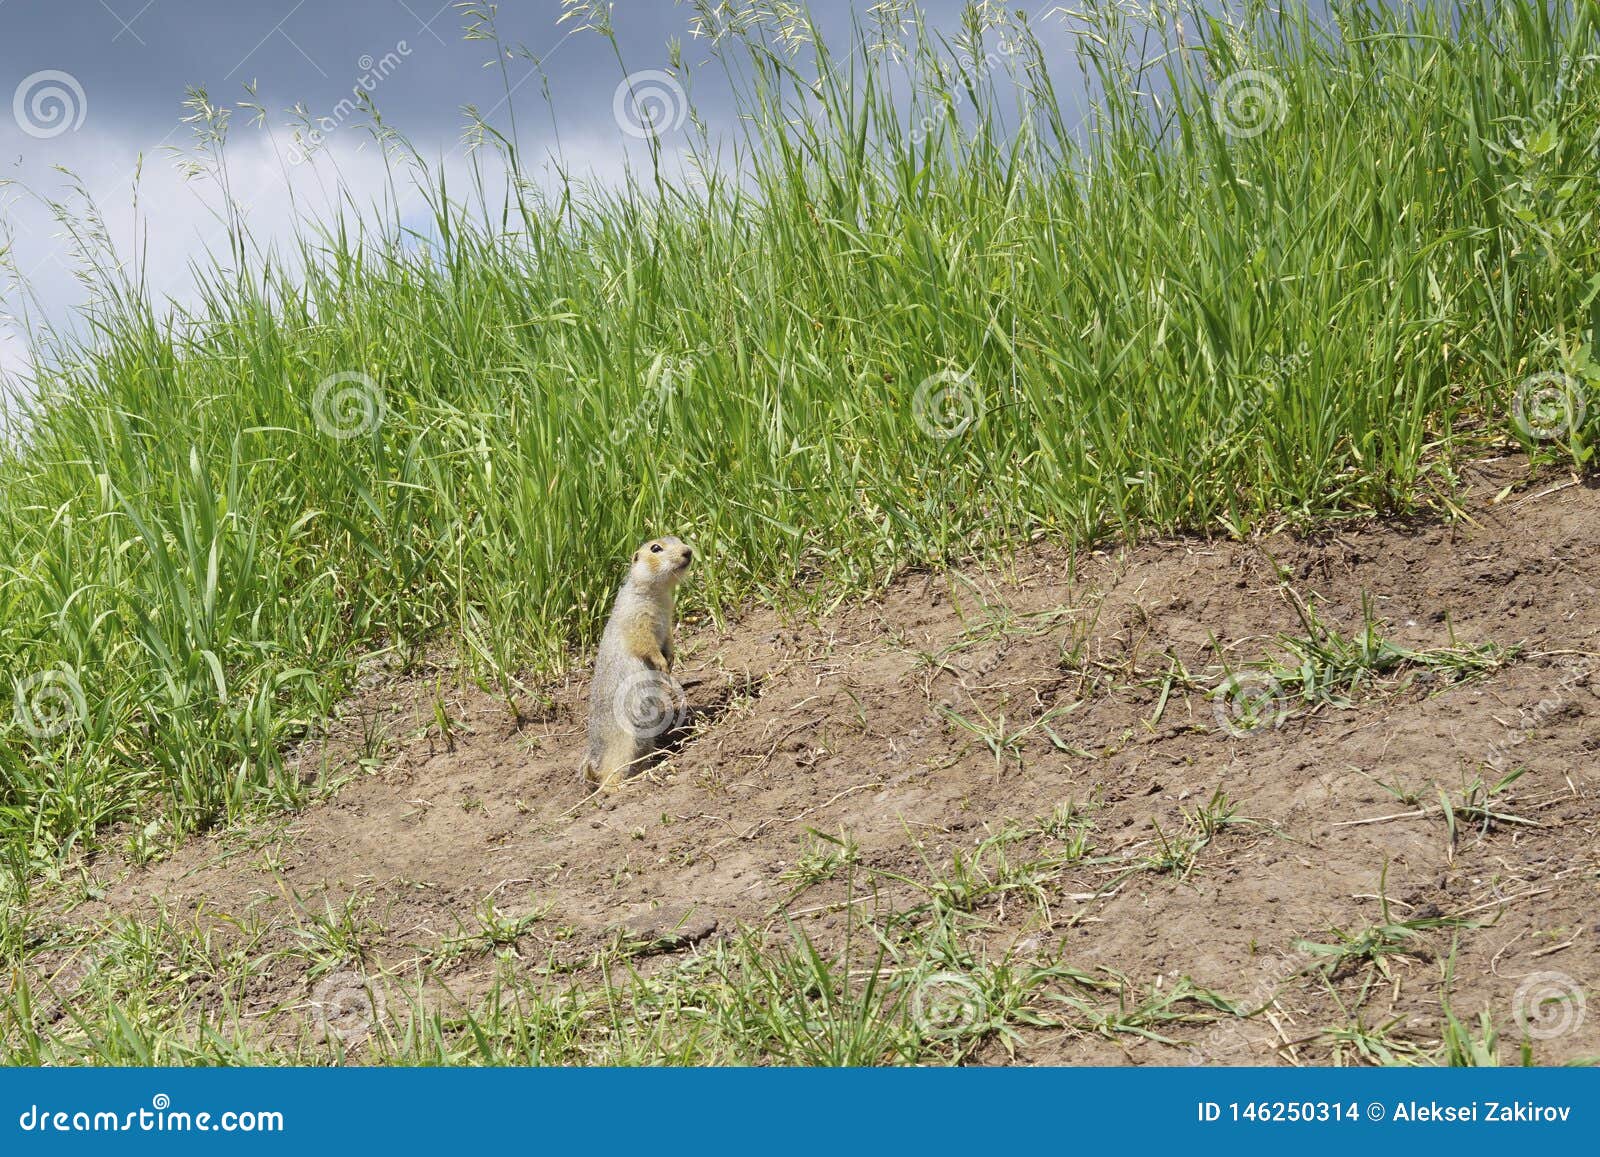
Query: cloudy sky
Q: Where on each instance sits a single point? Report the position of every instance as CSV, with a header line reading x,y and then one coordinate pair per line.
x,y
97,87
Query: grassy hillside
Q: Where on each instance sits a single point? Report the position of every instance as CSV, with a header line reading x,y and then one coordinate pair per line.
x,y
1282,271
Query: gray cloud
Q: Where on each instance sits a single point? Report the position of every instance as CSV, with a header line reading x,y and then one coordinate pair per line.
x,y
134,59
130,62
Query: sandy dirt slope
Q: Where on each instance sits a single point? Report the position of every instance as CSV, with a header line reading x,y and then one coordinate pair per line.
x,y
1093,679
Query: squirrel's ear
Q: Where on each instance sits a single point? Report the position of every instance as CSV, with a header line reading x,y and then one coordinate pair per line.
x,y
635,556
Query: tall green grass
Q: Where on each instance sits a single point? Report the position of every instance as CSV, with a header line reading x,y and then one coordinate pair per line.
x,y
1301,300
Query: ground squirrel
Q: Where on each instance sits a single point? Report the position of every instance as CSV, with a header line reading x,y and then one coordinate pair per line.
x,y
634,701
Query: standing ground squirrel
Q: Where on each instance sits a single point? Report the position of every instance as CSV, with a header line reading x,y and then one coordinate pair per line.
x,y
633,700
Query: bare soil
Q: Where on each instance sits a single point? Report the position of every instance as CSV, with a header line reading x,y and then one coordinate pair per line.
x,y
851,725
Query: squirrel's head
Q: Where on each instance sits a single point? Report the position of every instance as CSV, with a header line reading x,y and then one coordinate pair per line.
x,y
661,562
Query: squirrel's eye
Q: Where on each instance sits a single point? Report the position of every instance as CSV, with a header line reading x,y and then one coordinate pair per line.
x,y
655,548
